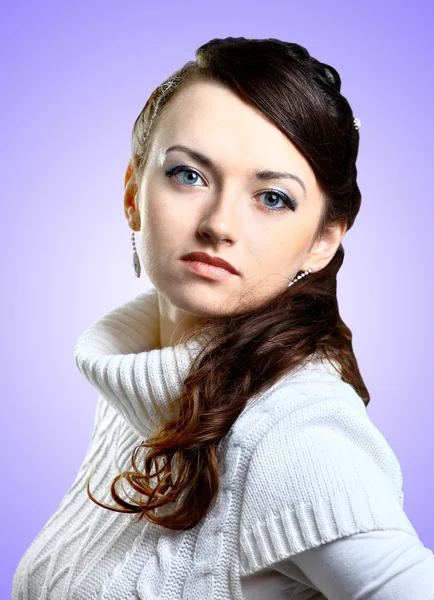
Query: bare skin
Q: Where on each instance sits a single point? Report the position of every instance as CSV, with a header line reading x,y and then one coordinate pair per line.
x,y
226,212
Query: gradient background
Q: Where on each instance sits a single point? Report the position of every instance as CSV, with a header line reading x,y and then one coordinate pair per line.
x,y
75,76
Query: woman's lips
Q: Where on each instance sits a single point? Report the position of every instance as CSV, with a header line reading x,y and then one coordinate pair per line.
x,y
206,270
216,261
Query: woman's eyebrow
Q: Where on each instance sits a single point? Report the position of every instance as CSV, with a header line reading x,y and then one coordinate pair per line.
x,y
261,175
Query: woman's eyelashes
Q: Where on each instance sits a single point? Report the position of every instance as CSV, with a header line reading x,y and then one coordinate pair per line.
x,y
192,176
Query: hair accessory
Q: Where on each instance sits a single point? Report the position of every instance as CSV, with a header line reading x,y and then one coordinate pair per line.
x,y
357,123
136,262
302,275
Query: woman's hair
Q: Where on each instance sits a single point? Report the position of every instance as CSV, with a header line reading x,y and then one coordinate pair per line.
x,y
251,351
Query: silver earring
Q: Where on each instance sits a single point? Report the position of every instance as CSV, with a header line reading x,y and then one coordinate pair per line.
x,y
300,276
136,262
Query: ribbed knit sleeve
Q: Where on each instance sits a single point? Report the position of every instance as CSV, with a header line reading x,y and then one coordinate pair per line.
x,y
318,473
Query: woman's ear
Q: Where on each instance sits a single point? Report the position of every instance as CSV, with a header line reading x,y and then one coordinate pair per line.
x,y
130,197
325,248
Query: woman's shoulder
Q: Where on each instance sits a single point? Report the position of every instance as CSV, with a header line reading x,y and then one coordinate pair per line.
x,y
318,468
311,418
309,388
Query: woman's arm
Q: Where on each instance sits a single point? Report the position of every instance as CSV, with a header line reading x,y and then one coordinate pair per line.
x,y
377,565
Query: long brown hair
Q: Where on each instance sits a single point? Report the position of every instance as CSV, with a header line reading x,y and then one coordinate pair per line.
x,y
251,351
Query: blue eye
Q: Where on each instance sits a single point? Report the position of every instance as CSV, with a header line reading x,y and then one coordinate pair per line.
x,y
289,203
181,169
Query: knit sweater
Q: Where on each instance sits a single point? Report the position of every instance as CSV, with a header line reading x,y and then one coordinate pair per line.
x,y
302,466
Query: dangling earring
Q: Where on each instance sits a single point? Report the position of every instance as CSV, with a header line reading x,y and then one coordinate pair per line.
x,y
300,276
136,262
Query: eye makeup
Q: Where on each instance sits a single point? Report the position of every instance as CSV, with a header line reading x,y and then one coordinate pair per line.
x,y
289,203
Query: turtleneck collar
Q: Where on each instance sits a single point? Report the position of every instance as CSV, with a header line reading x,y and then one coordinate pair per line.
x,y
120,355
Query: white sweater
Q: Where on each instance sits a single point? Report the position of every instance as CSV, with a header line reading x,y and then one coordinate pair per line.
x,y
302,466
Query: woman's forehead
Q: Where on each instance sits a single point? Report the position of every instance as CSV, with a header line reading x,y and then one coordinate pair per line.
x,y
213,121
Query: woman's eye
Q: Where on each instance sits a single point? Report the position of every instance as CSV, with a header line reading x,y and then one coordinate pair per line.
x,y
279,196
185,180
190,177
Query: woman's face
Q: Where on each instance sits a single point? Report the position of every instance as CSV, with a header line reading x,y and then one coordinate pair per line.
x,y
263,225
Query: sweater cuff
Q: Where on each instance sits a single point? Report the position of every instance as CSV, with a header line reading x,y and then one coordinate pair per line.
x,y
313,524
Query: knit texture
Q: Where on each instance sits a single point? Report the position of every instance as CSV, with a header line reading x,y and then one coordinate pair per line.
x,y
301,466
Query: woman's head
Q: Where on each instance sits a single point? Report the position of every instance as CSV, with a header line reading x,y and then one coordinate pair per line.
x,y
264,227
248,106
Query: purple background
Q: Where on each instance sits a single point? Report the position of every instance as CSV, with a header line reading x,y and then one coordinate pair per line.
x,y
75,76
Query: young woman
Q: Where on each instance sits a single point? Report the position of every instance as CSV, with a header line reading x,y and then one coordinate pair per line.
x,y
232,454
